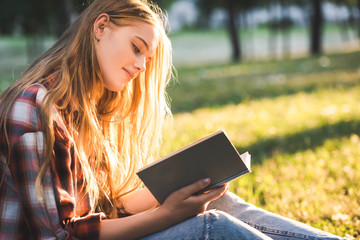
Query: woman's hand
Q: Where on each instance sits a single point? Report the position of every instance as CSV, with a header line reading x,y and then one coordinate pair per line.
x,y
183,204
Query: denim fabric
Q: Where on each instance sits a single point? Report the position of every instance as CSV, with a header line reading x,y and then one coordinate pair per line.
x,y
211,225
230,217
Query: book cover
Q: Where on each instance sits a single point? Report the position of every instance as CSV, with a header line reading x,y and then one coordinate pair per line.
x,y
213,156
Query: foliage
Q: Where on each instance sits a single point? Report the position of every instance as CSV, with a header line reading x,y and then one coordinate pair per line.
x,y
36,16
164,4
9,10
33,15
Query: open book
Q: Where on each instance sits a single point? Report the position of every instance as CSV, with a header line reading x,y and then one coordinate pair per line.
x,y
213,156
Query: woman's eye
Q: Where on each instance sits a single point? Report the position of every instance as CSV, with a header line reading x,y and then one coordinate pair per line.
x,y
136,49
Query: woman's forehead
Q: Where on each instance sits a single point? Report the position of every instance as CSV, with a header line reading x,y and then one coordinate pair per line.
x,y
146,32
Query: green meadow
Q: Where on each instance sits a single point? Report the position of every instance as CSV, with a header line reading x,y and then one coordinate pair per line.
x,y
299,119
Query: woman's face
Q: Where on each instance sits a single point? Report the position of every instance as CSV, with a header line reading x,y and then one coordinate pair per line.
x,y
123,52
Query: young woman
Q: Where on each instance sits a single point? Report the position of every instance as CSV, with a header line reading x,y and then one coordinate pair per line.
x,y
83,119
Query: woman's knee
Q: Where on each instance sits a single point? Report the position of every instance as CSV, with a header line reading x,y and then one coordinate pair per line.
x,y
216,215
220,221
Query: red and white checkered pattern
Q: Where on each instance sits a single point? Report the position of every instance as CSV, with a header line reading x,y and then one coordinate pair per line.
x,y
59,215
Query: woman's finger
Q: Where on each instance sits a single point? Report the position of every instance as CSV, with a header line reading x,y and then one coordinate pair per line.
x,y
191,189
213,194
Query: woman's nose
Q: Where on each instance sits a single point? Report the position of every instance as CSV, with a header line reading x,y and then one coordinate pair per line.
x,y
140,63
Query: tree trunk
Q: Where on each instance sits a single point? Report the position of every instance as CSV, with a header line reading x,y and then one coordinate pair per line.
x,y
316,28
232,27
358,20
285,29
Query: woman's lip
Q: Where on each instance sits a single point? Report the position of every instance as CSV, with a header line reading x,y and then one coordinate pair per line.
x,y
130,76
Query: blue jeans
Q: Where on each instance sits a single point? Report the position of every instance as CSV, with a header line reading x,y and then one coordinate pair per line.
x,y
230,217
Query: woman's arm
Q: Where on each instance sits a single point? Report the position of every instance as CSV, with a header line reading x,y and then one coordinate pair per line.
x,y
179,206
138,201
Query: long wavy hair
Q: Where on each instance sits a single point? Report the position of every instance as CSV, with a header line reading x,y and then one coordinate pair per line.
x,y
120,130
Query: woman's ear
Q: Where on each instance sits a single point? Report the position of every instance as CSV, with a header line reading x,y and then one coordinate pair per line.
x,y
100,24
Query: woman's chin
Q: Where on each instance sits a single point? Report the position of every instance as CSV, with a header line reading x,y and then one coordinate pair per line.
x,y
117,88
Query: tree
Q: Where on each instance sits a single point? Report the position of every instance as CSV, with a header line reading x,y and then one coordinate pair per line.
x,y
358,6
233,30
355,21
316,27
10,13
63,10
233,8
236,8
206,8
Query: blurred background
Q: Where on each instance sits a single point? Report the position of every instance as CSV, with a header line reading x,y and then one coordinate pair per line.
x,y
281,77
203,31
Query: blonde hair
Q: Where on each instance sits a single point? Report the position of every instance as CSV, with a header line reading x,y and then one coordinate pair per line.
x,y
121,130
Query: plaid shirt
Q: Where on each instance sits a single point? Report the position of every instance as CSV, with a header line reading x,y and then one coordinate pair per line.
x,y
60,214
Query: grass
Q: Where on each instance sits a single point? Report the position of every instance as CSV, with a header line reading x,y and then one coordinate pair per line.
x,y
299,119
234,83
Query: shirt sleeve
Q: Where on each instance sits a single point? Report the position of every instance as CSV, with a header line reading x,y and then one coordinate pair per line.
x,y
41,213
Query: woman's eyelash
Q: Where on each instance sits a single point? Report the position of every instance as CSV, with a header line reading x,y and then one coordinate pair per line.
x,y
136,49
